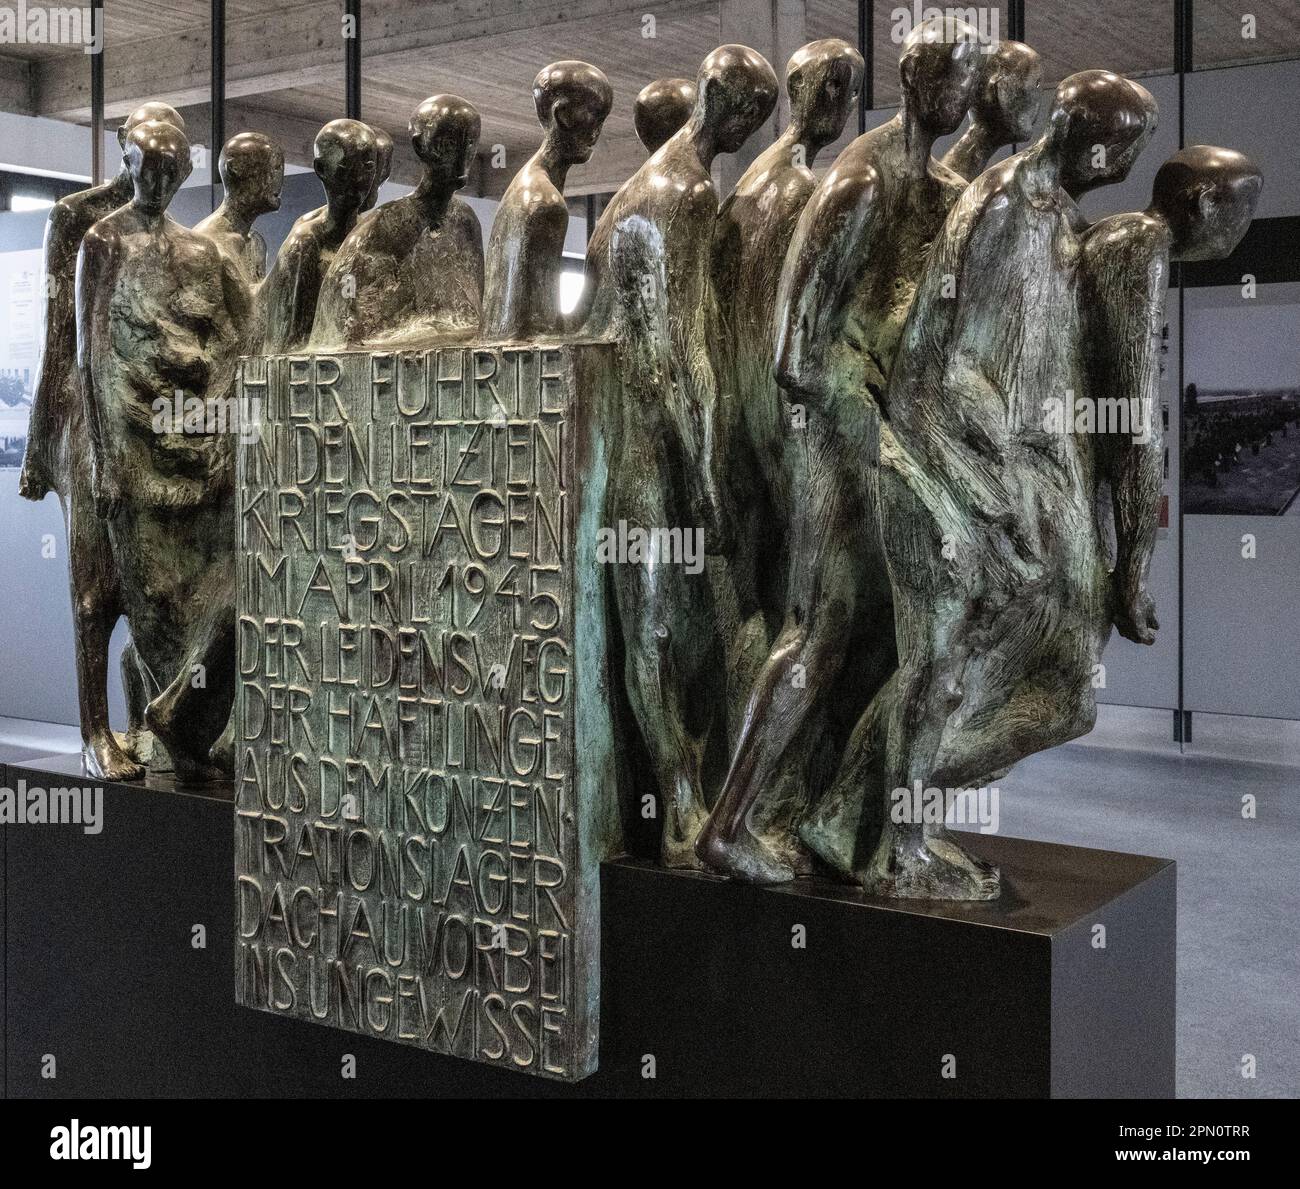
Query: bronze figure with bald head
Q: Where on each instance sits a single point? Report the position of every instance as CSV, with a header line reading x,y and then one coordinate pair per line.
x,y
413,268
58,459
521,297
163,481
648,283
846,284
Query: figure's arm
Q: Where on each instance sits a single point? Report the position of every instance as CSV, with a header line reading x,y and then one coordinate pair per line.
x,y
60,304
336,301
59,354
274,300
94,265
824,255
257,255
1127,314
682,399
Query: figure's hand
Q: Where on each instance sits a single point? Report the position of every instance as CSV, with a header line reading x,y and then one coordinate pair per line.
x,y
107,493
1135,613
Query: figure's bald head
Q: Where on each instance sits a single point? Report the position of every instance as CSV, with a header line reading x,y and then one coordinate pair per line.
x,y
252,170
572,99
1009,95
661,108
736,91
157,155
938,70
823,80
444,133
1208,196
344,159
1098,125
153,110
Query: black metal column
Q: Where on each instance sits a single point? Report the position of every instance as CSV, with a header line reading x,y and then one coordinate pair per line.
x,y
1015,20
866,35
1184,25
97,101
217,134
352,60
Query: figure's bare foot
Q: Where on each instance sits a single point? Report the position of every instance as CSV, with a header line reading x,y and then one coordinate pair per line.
x,y
680,832
823,835
106,760
137,742
187,766
186,770
222,754
914,868
743,857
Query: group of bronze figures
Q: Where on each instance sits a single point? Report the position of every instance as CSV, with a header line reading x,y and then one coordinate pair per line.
x,y
841,381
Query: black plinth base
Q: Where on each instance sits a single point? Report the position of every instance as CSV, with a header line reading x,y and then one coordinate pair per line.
x,y
712,988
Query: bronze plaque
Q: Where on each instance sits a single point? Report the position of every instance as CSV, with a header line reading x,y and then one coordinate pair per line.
x,y
423,773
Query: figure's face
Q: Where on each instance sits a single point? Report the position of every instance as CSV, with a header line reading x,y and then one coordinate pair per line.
x,y
348,173
576,124
445,144
1020,99
1103,123
941,82
159,165
1213,219
832,93
263,179
737,91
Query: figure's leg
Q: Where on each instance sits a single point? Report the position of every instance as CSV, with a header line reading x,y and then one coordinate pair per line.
x,y
1033,692
838,824
673,668
920,859
138,687
95,611
803,663
191,714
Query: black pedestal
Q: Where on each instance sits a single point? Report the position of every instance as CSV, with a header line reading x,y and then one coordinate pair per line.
x,y
712,987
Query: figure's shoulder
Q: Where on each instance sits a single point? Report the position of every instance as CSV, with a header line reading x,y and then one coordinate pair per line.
x,y
853,180
1128,234
464,219
948,179
103,233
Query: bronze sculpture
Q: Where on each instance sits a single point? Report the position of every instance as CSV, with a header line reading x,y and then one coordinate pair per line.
x,y
252,174
986,515
1202,202
159,316
521,292
846,286
413,268
648,282
1004,109
753,230
58,459
661,108
345,161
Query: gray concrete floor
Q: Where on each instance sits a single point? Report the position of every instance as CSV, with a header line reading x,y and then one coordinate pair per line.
x,y
1238,882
